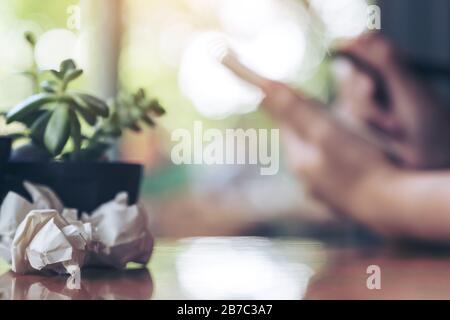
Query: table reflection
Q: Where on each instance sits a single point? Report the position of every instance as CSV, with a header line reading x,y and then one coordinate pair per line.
x,y
239,269
404,275
98,284
235,268
252,268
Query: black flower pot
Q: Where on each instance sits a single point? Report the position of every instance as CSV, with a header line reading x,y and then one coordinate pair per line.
x,y
83,186
5,149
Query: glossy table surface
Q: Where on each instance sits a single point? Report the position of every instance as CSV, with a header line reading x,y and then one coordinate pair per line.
x,y
250,268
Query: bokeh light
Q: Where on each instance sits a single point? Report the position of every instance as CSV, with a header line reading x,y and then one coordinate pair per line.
x,y
246,18
173,40
342,18
277,52
251,272
214,90
55,46
268,36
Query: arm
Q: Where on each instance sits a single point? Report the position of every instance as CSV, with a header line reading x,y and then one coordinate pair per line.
x,y
356,177
399,203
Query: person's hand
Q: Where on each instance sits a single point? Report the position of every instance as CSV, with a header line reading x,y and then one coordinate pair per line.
x,y
356,177
337,164
414,124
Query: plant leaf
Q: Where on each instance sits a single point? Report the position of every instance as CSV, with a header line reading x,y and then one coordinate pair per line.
x,y
148,120
29,74
76,99
49,86
96,104
156,108
37,129
58,129
75,130
139,96
72,75
31,38
86,114
57,74
29,119
67,65
29,106
134,127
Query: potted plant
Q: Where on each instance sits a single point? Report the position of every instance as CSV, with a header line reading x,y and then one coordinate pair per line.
x,y
68,135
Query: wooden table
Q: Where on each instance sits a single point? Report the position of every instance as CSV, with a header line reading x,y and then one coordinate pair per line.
x,y
251,268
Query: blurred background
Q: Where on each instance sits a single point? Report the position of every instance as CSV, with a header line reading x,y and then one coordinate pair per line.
x,y
162,45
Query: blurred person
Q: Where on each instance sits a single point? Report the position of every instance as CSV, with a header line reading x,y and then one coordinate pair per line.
x,y
406,198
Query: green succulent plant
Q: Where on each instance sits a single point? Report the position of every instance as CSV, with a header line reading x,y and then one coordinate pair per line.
x,y
126,112
55,115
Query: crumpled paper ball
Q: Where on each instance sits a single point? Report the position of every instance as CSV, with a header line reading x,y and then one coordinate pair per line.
x,y
42,236
14,209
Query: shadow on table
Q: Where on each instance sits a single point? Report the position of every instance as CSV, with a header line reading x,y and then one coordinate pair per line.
x,y
98,284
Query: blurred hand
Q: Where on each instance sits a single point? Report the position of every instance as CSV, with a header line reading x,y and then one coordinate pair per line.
x,y
336,163
356,177
414,124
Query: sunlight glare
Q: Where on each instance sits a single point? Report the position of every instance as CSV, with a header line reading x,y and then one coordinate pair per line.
x,y
54,46
218,268
214,90
343,18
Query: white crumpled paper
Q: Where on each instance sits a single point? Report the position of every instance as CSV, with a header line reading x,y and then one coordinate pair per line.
x,y
43,236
